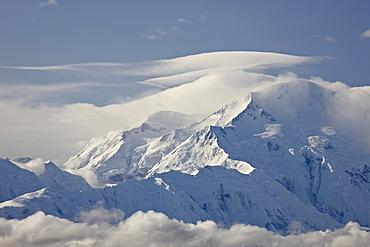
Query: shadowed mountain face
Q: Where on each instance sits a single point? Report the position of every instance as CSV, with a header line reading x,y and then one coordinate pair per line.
x,y
288,153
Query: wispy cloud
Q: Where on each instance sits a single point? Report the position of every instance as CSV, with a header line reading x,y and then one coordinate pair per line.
x,y
158,34
365,34
183,20
327,38
49,3
161,34
31,92
184,69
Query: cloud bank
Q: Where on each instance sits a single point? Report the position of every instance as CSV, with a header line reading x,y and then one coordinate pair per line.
x,y
156,229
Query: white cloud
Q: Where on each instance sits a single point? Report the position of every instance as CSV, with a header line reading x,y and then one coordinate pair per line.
x,y
156,229
271,130
154,37
199,65
49,3
161,34
101,215
365,34
182,20
36,165
352,108
198,84
32,92
329,38
326,38
158,35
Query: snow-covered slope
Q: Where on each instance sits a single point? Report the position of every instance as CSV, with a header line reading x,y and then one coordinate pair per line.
x,y
119,156
226,196
58,179
15,181
289,132
293,132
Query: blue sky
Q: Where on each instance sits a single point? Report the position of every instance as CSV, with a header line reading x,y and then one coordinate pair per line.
x,y
40,33
69,70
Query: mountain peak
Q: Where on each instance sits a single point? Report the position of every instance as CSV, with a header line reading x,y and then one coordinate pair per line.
x,y
301,100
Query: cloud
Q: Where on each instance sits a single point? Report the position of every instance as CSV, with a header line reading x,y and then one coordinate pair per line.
x,y
329,38
35,165
154,37
49,3
58,132
195,66
198,65
183,20
156,229
197,84
101,215
326,38
351,111
365,34
31,92
161,34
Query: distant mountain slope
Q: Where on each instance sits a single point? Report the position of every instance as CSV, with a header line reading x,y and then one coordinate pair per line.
x,y
214,193
15,181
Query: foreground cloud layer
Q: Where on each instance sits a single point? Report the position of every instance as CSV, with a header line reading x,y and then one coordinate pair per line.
x,y
156,229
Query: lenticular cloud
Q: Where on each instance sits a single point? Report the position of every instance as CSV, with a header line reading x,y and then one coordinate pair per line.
x,y
156,229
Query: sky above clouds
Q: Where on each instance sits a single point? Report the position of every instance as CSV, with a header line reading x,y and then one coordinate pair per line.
x,y
68,68
54,32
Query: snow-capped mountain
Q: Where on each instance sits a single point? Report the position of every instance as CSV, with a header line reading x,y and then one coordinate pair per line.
x,y
283,154
119,156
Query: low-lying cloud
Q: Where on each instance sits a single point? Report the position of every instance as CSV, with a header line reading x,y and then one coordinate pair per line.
x,y
35,165
156,229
